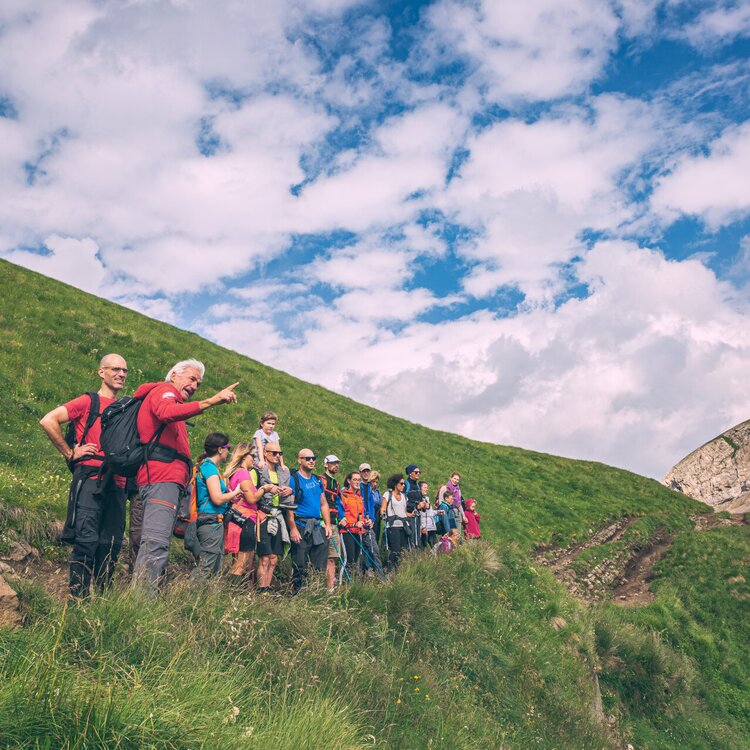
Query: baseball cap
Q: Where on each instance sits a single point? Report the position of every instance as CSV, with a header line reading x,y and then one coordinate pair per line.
x,y
362,467
331,459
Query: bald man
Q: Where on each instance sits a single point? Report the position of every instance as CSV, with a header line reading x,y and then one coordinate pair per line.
x,y
96,516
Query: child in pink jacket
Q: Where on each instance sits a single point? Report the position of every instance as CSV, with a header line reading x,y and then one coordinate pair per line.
x,y
472,520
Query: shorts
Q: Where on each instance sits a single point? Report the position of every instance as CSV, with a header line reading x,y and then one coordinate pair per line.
x,y
269,545
248,539
335,549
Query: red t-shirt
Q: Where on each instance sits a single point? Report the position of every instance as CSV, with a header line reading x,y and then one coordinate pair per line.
x,y
78,413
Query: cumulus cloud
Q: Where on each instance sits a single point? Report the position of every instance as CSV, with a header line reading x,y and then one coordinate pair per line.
x,y
111,101
531,189
720,25
635,374
71,260
526,51
712,186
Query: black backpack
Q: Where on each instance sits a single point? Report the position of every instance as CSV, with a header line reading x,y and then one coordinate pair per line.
x,y
70,434
123,450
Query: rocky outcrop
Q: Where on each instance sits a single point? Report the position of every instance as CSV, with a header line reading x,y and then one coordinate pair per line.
x,y
717,473
9,614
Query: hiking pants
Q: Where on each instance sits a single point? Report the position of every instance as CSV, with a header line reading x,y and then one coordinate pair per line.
x,y
398,541
136,526
370,543
211,538
160,502
306,552
353,551
191,543
99,529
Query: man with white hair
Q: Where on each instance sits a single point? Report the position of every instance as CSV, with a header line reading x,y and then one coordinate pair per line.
x,y
163,478
95,523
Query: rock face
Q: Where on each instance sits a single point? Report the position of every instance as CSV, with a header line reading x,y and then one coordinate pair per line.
x,y
717,473
9,614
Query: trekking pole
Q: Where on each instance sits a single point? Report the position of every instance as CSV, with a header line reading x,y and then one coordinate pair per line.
x,y
374,564
341,559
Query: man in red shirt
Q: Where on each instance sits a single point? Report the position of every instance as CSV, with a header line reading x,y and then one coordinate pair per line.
x,y
96,511
163,479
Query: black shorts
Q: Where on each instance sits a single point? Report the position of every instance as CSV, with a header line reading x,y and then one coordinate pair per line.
x,y
247,536
269,545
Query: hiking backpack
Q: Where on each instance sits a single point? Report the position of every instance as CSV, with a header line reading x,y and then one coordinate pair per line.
x,y
123,450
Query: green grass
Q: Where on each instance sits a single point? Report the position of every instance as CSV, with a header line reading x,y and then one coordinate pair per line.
x,y
505,655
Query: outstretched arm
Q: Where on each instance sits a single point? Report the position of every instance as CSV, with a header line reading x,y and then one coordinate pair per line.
x,y
225,396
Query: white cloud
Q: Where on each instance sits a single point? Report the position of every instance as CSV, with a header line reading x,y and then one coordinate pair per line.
x,y
530,189
720,25
534,50
636,374
110,101
70,260
713,186
389,183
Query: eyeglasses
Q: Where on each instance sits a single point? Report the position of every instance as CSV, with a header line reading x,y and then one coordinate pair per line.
x,y
275,453
123,370
308,458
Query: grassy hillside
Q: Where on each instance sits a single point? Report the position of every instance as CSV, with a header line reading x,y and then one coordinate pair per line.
x,y
485,649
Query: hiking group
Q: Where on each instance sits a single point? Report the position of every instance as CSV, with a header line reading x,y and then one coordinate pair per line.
x,y
256,509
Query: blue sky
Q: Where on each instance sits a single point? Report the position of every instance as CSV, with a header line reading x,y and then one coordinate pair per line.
x,y
525,222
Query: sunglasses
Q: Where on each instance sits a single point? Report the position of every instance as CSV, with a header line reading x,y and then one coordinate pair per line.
x,y
308,458
275,453
227,447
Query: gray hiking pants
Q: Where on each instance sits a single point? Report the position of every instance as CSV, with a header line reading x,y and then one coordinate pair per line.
x,y
160,502
191,542
211,538
136,527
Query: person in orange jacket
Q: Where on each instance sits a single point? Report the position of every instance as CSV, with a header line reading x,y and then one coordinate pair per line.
x,y
353,523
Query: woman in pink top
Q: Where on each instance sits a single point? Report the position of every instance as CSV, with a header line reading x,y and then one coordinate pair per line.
x,y
242,540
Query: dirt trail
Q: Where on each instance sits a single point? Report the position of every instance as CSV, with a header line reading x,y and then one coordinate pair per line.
x,y
624,576
564,558
634,589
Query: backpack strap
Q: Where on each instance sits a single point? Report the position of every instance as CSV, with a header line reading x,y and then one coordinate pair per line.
x,y
297,488
196,474
93,415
